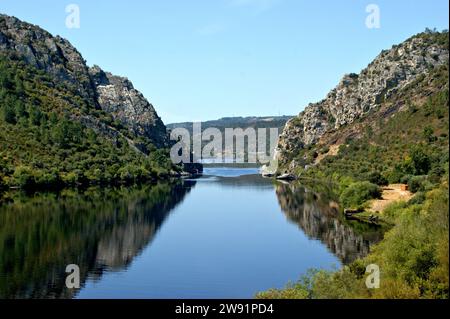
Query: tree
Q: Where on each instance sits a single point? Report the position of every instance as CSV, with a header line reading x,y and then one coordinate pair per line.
x,y
377,179
35,115
420,160
358,193
9,112
23,177
428,134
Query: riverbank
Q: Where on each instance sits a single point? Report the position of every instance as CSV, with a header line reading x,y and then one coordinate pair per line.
x,y
412,257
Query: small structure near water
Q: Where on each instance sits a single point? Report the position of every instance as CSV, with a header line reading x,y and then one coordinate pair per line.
x,y
287,177
193,168
351,212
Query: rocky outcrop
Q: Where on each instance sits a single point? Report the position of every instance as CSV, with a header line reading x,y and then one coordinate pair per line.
x,y
359,94
100,90
117,96
54,55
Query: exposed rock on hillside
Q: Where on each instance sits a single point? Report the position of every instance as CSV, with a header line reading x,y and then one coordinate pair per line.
x,y
118,97
359,94
58,58
54,55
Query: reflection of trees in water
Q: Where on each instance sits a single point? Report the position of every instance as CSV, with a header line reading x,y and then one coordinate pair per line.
x,y
97,229
319,218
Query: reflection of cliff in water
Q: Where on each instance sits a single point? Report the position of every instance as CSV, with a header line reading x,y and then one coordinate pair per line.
x,y
99,230
319,218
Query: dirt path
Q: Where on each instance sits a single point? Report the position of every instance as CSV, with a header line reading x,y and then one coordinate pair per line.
x,y
391,193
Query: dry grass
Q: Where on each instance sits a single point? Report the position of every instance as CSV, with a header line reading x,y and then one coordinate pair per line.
x,y
391,193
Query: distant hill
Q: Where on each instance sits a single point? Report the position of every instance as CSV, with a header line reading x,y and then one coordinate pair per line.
x,y
242,122
254,122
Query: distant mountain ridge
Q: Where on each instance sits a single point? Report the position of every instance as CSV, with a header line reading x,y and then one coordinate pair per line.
x,y
254,122
242,122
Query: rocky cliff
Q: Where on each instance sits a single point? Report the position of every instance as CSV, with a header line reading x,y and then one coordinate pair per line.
x,y
360,94
117,96
98,89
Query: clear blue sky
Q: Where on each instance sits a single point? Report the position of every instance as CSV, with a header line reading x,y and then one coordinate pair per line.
x,y
205,59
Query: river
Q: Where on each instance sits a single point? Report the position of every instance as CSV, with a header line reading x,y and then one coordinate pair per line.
x,y
228,234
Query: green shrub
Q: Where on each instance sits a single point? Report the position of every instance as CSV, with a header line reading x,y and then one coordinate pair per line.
x,y
417,183
46,178
9,114
377,179
395,175
358,193
23,177
70,178
418,199
428,134
420,160
436,173
394,210
405,179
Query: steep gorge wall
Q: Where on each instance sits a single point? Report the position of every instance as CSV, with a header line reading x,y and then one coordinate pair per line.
x,y
100,90
359,94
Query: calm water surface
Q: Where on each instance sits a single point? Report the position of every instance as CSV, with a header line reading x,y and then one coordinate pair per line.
x,y
229,234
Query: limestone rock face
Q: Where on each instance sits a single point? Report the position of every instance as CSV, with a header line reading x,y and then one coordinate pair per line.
x,y
117,96
54,55
357,94
58,58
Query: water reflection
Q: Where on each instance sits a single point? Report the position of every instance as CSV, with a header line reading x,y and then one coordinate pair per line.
x,y
228,238
318,215
98,229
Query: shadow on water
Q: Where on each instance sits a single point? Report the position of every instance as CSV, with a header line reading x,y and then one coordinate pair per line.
x,y
97,229
319,216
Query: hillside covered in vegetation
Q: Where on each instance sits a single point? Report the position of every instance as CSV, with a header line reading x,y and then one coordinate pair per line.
x,y
402,138
63,123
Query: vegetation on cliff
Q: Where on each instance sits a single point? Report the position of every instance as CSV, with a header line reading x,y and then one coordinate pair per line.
x,y
403,138
409,147
44,144
63,123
